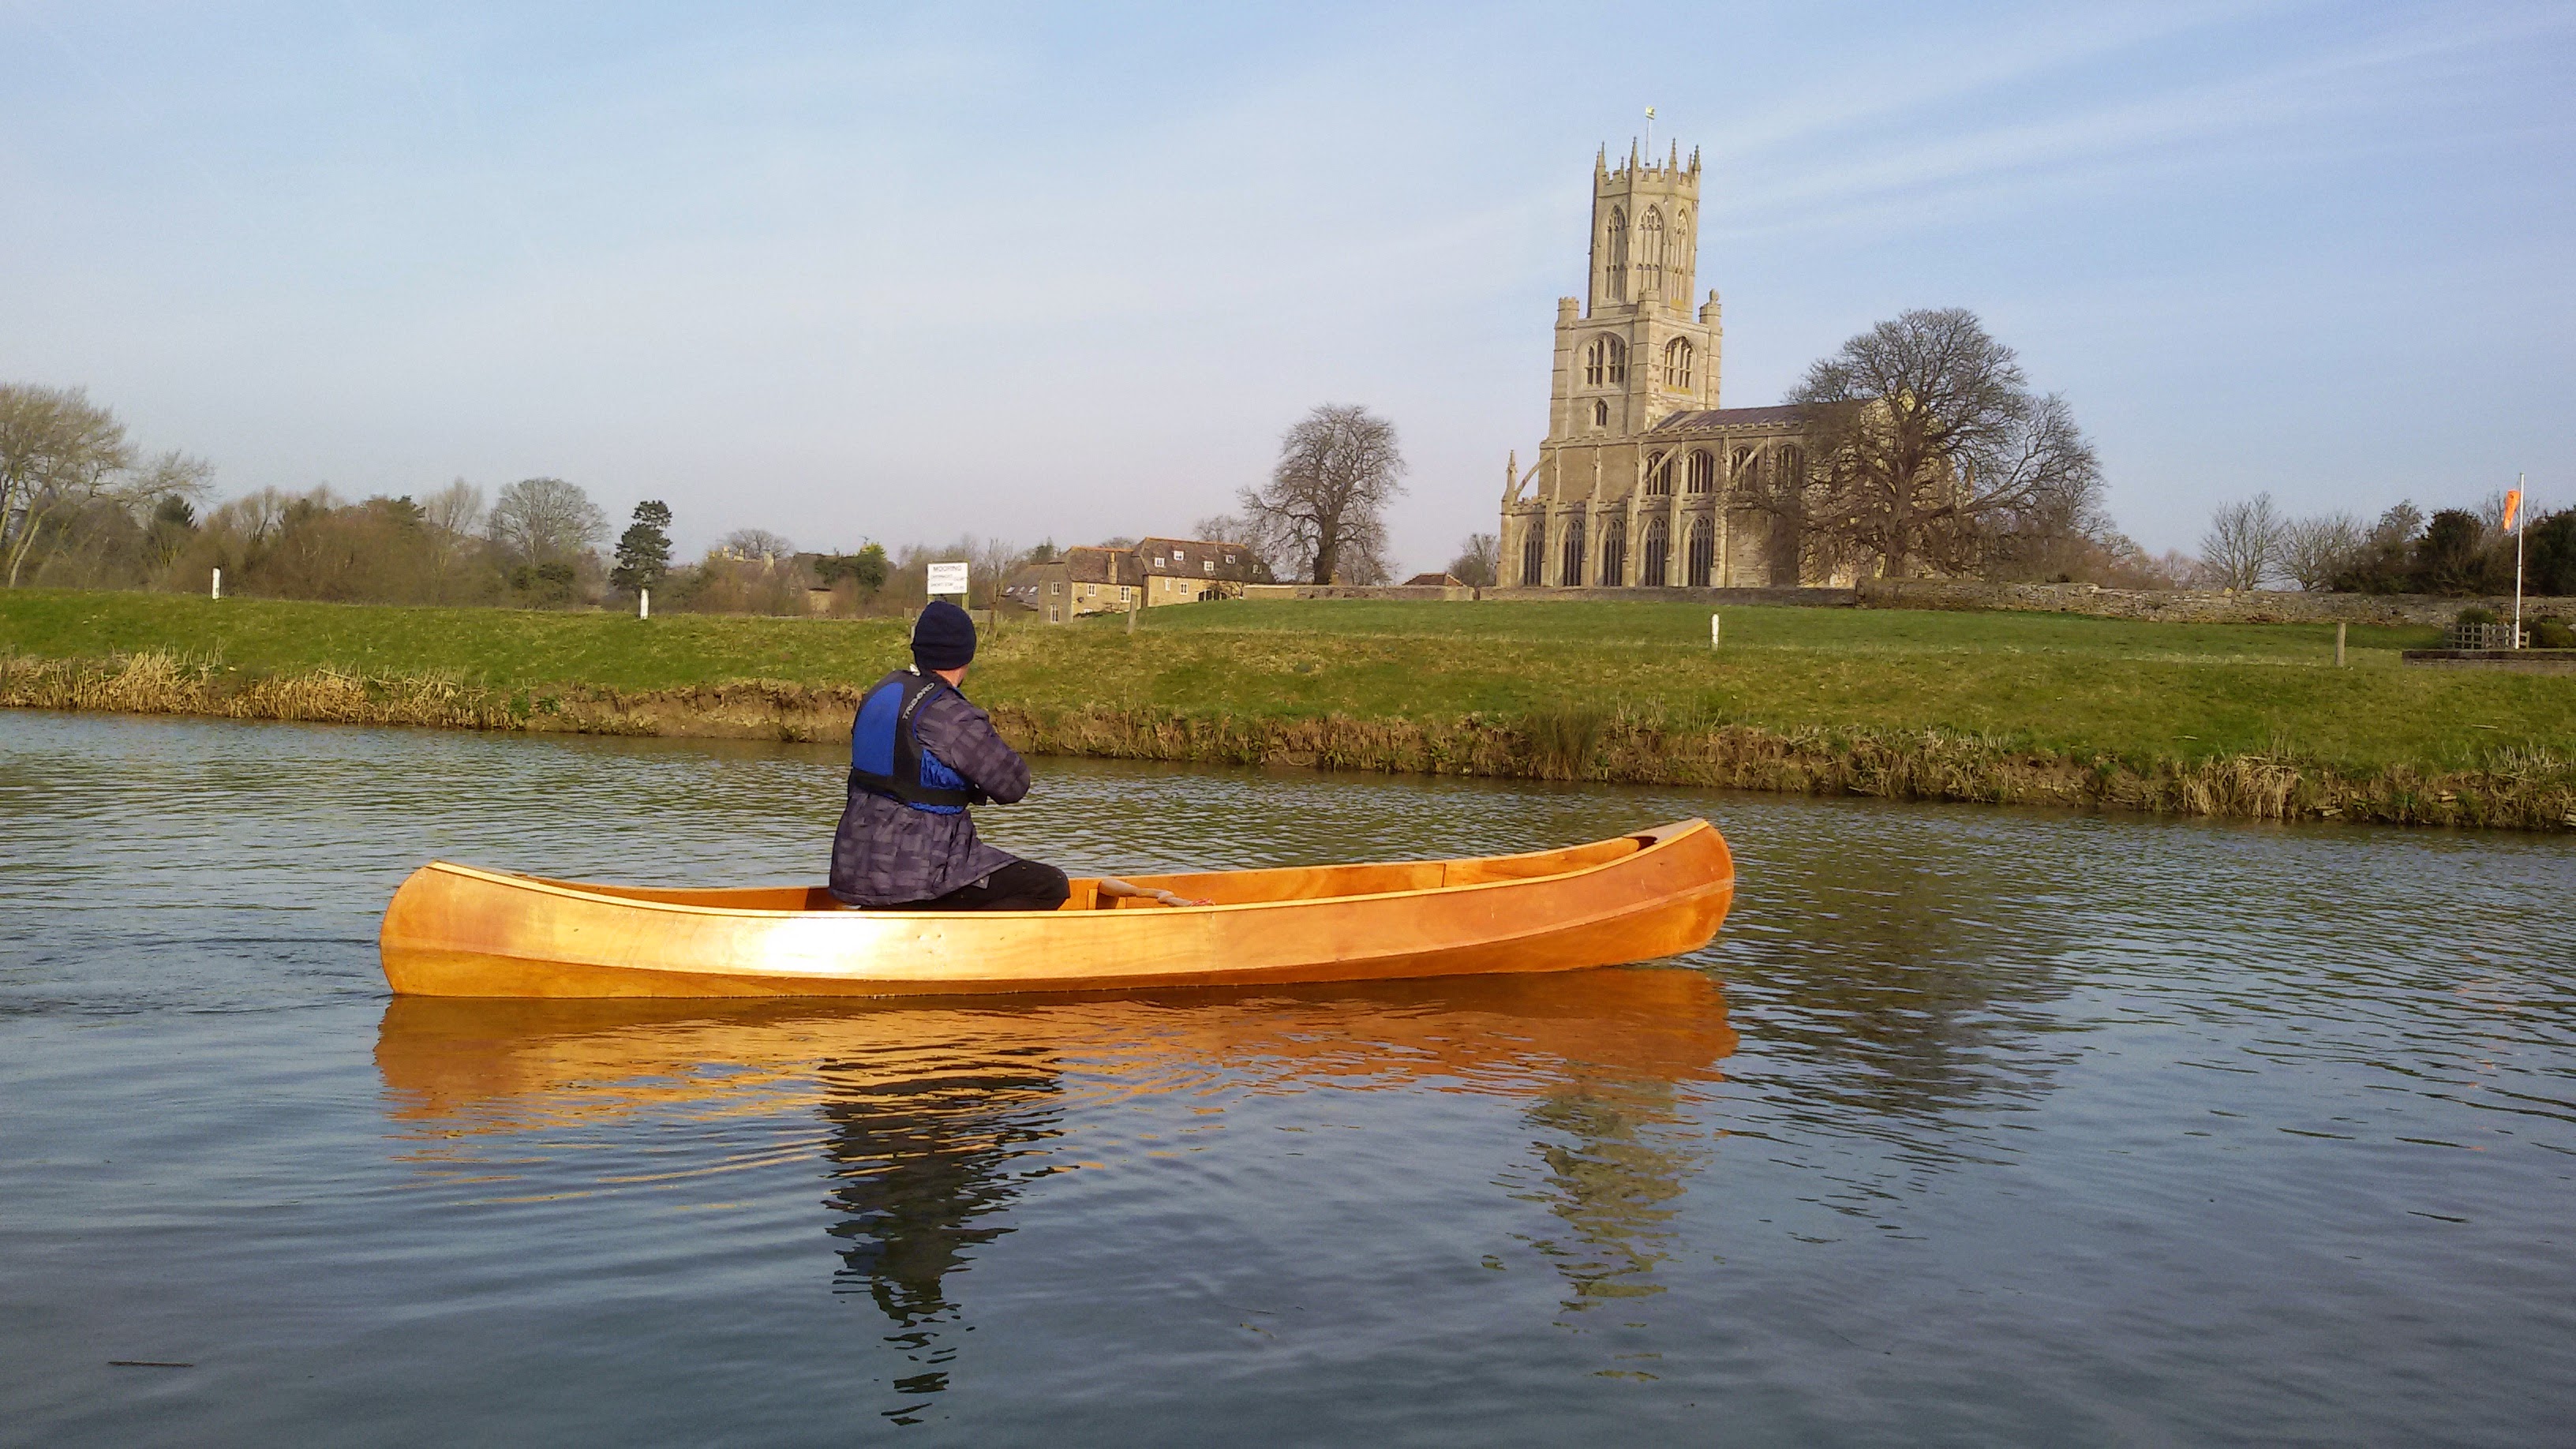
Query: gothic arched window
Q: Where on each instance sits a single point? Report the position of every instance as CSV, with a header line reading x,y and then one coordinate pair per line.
x,y
1703,471
1659,477
1569,570
1600,413
1793,467
1616,273
1740,470
1534,554
1677,363
1650,254
1605,360
1614,552
1701,556
1659,547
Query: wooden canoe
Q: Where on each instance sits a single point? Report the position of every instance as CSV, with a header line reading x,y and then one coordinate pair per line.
x,y
453,930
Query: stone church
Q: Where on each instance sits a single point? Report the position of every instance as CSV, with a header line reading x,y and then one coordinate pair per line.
x,y
1641,480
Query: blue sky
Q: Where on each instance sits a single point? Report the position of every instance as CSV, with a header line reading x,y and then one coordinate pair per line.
x,y
847,271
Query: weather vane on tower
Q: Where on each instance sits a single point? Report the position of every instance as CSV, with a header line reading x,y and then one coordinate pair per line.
x,y
1650,130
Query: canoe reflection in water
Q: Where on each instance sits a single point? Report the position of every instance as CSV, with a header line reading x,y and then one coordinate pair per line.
x,y
938,1117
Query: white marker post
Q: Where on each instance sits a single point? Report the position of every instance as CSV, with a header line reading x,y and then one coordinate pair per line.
x,y
217,592
643,603
1712,633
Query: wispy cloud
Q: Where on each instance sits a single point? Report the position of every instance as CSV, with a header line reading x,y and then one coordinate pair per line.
x,y
1912,164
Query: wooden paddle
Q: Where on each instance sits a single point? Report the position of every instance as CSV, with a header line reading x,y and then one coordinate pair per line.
x,y
1111,885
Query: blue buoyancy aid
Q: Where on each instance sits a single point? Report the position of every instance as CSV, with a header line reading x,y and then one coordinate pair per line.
x,y
886,757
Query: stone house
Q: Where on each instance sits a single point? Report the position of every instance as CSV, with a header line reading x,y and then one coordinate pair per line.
x,y
1156,571
1644,477
1081,581
1186,570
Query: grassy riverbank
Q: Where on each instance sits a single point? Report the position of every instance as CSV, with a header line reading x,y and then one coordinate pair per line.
x,y
2211,719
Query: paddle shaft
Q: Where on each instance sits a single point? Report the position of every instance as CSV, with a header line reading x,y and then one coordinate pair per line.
x,y
1111,885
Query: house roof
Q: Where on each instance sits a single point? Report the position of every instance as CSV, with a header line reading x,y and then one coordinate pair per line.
x,y
1445,581
1192,556
1730,417
1078,565
1087,565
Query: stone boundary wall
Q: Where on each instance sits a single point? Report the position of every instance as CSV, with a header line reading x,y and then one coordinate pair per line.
x,y
1434,592
1815,598
2514,661
1809,598
2196,606
2171,606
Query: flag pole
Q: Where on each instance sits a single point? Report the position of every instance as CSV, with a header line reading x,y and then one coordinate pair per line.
x,y
2519,480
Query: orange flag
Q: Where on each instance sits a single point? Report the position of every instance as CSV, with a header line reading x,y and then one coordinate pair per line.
x,y
2512,506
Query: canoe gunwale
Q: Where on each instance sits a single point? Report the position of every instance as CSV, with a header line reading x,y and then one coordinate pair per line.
x,y
1648,841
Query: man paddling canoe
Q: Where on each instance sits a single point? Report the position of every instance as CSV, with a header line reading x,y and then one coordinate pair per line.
x,y
919,755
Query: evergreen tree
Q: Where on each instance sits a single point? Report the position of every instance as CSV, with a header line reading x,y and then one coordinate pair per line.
x,y
867,568
644,550
2550,554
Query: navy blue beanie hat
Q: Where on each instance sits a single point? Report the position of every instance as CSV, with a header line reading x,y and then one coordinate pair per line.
x,y
943,637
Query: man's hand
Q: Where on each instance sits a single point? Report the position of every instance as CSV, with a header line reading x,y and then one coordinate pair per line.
x,y
1111,885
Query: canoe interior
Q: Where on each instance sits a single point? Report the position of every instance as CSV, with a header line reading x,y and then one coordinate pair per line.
x,y
1224,888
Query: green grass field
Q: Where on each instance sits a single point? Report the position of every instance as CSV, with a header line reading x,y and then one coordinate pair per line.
x,y
1876,630
2128,691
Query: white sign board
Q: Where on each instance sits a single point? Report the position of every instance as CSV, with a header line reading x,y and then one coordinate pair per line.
x,y
947,578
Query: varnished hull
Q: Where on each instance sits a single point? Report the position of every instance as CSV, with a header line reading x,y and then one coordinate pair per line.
x,y
456,931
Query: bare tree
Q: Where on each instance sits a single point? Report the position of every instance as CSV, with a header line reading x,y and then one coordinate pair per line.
x,y
1322,514
164,476
58,452
2316,551
1478,562
2243,545
752,545
546,520
455,518
456,509
1928,445
1228,528
988,565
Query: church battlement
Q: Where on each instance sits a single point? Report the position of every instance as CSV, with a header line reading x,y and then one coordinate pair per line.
x,y
1673,170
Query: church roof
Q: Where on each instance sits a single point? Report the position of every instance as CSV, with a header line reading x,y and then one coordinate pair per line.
x,y
1728,417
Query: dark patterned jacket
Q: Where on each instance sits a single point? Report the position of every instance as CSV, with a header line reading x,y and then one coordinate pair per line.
x,y
887,854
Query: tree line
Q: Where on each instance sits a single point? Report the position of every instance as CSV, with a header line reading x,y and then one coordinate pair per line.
x,y
81,507
2452,551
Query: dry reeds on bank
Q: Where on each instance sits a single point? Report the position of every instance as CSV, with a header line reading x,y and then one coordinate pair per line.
x,y
2525,789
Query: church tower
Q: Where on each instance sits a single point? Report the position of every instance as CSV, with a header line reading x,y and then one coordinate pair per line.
x,y
1644,231
1629,352
1639,481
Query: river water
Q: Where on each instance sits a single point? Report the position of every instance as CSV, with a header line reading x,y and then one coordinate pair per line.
x,y
1973,1126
